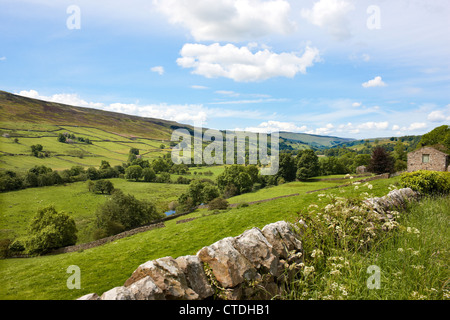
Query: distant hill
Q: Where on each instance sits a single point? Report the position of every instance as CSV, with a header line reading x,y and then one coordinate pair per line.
x,y
25,122
18,109
315,141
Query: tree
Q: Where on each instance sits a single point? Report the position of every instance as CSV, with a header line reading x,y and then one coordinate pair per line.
x,y
149,175
438,137
105,165
399,151
237,177
92,173
160,165
50,229
61,138
103,186
381,161
287,167
124,212
36,150
134,151
133,172
307,164
209,193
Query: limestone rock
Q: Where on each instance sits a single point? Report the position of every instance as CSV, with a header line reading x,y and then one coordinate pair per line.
x,y
90,296
146,289
283,239
192,268
118,293
166,275
228,265
254,246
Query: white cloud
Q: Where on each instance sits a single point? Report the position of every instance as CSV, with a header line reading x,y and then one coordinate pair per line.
x,y
331,15
242,65
197,87
173,112
412,127
158,69
64,98
438,116
374,125
328,129
416,126
250,101
376,82
274,126
229,20
2,58
228,93
179,113
356,104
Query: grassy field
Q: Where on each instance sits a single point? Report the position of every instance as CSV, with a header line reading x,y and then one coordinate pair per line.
x,y
106,145
412,262
105,267
18,207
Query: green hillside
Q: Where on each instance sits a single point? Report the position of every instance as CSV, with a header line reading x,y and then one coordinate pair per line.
x,y
17,109
25,122
314,141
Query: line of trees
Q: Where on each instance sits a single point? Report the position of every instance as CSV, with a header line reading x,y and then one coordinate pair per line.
x,y
71,138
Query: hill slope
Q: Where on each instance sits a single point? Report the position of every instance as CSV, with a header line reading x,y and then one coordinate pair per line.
x,y
18,109
25,122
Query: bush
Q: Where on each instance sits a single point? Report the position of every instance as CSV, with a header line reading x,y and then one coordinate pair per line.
x,y
218,204
4,248
17,246
426,182
164,177
49,230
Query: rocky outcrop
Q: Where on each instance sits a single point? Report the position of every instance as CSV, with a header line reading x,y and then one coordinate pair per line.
x,y
253,265
394,200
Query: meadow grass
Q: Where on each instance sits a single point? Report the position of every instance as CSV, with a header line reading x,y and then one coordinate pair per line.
x,y
105,145
105,267
18,207
412,261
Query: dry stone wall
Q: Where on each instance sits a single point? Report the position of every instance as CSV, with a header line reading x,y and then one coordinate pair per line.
x,y
250,266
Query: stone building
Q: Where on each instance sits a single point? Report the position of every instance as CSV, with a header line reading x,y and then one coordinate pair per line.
x,y
428,158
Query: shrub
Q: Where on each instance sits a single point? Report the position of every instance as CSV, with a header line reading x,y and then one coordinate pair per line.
x,y
218,204
4,248
17,246
163,177
426,182
49,230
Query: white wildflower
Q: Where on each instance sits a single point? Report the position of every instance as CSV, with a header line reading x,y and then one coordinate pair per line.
x,y
335,272
317,253
308,271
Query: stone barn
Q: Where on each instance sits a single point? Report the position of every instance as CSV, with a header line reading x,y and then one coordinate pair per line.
x,y
428,158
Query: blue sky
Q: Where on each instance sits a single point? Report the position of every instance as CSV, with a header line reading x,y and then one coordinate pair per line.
x,y
358,69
